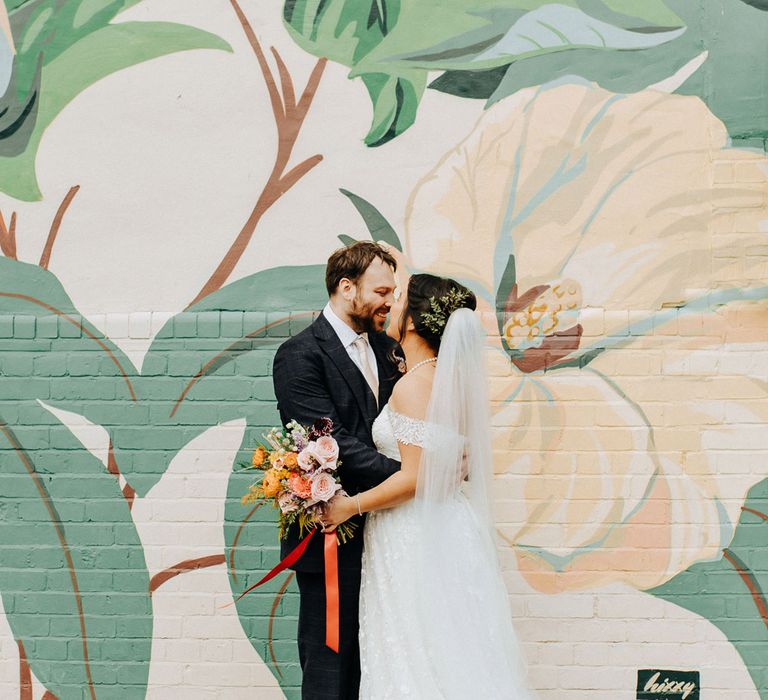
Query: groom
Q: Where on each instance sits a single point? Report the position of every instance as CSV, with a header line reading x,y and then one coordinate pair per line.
x,y
341,367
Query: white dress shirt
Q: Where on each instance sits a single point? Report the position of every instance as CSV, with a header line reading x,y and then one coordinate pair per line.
x,y
348,336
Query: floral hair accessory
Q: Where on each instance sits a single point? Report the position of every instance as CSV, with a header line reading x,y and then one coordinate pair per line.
x,y
442,308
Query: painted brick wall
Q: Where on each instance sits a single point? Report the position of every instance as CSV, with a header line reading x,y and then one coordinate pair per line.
x,y
168,203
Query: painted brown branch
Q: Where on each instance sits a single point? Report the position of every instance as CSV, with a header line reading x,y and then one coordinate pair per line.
x,y
55,520
128,492
276,602
755,512
69,319
749,580
25,674
45,258
232,571
50,696
183,566
286,85
289,117
8,236
215,361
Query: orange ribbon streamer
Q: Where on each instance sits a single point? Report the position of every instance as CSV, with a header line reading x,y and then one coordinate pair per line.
x,y
331,592
331,583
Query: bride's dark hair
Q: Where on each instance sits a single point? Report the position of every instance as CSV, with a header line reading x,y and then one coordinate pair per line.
x,y
430,301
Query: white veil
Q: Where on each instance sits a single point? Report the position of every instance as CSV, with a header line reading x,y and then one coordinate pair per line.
x,y
459,420
457,547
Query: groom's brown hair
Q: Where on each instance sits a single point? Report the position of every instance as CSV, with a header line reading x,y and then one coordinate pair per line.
x,y
351,262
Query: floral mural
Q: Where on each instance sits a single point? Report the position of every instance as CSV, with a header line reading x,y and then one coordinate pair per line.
x,y
608,202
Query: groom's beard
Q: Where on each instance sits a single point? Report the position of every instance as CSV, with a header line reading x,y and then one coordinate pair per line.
x,y
364,317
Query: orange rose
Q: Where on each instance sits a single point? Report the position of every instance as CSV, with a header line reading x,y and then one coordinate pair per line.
x,y
271,483
290,461
259,455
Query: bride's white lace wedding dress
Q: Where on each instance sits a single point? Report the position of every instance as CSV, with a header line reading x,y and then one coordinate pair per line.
x,y
453,642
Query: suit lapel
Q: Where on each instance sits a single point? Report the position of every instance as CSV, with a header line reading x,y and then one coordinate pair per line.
x,y
338,354
388,374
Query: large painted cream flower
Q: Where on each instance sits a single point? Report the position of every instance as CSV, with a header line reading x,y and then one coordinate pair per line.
x,y
629,368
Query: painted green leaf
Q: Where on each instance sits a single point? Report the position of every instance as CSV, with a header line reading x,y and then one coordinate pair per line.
x,y
56,43
732,81
346,32
512,36
395,101
759,4
50,351
74,582
207,365
729,81
210,364
732,592
392,44
379,228
268,617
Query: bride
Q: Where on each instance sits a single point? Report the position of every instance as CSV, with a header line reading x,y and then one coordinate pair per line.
x,y
434,613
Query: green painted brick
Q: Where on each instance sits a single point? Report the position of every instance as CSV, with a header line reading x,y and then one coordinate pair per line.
x,y
82,388
6,326
279,324
155,364
24,326
16,364
300,321
221,389
52,364
184,364
231,324
28,387
48,327
208,324
185,325
70,327
254,323
263,389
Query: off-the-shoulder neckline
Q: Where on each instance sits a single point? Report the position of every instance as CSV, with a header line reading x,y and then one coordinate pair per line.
x,y
402,415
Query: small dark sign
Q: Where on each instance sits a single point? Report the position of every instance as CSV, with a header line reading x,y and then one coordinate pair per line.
x,y
655,684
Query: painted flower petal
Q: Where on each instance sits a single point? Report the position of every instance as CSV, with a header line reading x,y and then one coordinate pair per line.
x,y
591,494
625,194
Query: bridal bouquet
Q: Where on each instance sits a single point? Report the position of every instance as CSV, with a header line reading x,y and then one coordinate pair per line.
x,y
298,468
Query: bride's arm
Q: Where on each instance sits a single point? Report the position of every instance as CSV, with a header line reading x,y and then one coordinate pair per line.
x,y
396,489
400,486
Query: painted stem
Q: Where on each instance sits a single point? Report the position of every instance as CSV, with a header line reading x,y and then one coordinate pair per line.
x,y
25,674
45,258
129,493
182,567
8,236
289,117
276,602
751,583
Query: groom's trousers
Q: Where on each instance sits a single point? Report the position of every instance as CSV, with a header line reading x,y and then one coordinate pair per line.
x,y
327,675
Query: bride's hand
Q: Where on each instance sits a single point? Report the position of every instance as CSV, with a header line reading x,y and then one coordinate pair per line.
x,y
338,510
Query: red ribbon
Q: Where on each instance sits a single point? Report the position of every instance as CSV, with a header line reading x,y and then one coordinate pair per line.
x,y
331,583
331,592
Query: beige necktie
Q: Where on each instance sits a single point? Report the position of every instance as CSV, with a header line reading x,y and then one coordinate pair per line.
x,y
361,344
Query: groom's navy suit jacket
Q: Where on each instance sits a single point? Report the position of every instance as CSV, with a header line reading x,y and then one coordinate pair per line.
x,y
314,377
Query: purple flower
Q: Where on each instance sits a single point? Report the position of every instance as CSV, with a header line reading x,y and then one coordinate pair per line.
x,y
299,439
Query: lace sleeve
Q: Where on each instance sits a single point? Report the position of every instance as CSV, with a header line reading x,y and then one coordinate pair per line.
x,y
407,430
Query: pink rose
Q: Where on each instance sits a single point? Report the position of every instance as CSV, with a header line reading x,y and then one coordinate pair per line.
x,y
306,460
324,487
300,486
324,449
329,466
